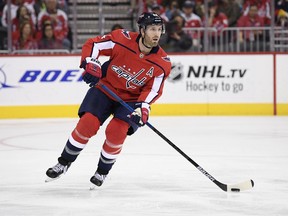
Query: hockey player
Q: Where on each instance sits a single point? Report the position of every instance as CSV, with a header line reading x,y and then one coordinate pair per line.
x,y
136,72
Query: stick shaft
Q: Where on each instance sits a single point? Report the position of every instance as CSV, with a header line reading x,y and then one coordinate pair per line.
x,y
117,98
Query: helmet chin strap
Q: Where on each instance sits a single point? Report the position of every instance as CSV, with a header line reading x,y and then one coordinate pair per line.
x,y
145,44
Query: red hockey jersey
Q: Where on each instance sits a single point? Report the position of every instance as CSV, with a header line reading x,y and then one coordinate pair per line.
x,y
132,75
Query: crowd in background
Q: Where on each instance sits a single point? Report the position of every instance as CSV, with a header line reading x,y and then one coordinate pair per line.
x,y
43,24
182,17
37,24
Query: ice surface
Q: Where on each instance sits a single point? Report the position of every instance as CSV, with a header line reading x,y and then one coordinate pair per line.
x,y
149,177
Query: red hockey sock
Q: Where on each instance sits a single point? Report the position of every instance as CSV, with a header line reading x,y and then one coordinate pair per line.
x,y
87,127
116,133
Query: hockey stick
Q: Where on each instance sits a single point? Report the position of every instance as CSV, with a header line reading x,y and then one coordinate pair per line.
x,y
234,188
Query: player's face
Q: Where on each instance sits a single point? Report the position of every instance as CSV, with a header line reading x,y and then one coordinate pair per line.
x,y
152,35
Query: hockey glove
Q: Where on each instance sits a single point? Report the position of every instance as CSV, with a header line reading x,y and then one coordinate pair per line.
x,y
141,114
92,72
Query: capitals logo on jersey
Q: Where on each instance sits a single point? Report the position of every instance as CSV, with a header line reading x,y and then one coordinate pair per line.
x,y
132,78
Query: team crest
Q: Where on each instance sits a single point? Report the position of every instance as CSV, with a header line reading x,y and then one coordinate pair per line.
x,y
129,77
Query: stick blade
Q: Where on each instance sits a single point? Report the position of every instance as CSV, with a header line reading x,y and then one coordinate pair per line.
x,y
247,185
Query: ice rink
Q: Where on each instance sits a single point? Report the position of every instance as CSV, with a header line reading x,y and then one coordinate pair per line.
x,y
149,177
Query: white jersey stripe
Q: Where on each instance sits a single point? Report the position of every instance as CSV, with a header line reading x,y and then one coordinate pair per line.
x,y
155,88
101,46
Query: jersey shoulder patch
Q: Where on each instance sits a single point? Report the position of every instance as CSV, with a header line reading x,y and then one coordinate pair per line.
x,y
126,34
166,58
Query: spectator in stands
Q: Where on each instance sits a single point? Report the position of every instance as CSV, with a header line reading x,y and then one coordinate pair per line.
x,y
14,6
48,40
30,6
116,26
156,8
231,9
39,6
58,20
199,9
281,35
216,20
172,9
22,14
3,30
281,6
178,40
282,18
2,4
264,9
192,21
24,39
181,2
148,5
63,5
252,19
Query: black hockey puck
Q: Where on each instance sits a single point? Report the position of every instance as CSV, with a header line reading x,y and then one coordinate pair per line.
x,y
235,189
252,182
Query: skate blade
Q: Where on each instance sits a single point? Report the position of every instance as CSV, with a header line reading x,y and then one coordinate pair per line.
x,y
92,186
48,179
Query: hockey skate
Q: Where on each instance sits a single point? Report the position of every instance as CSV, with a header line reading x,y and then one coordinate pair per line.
x,y
56,171
97,179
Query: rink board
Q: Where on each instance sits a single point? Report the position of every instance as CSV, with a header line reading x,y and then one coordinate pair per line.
x,y
47,111
226,84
